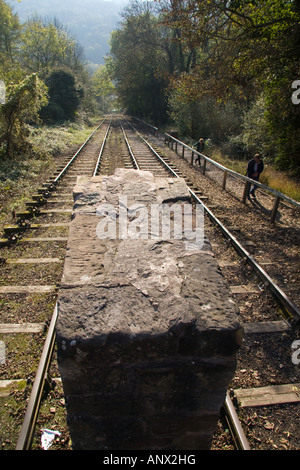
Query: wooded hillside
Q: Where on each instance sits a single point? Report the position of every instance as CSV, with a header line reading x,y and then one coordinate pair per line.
x,y
90,22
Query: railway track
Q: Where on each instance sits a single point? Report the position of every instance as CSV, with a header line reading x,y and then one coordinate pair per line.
x,y
32,254
33,279
29,278
261,264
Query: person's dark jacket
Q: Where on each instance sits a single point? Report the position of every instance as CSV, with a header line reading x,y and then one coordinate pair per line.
x,y
251,166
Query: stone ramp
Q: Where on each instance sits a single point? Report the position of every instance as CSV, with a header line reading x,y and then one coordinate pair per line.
x,y
147,330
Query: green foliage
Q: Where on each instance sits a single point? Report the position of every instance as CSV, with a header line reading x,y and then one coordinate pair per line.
x,y
138,65
46,45
64,97
24,101
91,24
104,88
45,50
283,121
145,54
247,57
204,118
9,31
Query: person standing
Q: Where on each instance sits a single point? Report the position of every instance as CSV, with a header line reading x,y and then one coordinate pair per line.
x,y
254,169
199,147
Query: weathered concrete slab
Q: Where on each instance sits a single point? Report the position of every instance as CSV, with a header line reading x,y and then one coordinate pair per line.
x,y
147,329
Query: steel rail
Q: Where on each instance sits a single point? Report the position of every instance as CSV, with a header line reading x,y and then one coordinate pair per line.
x,y
28,426
76,154
237,430
26,434
267,280
101,150
154,151
234,424
233,421
129,147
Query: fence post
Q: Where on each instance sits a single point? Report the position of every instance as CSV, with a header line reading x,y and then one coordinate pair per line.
x,y
224,180
204,166
275,208
182,151
246,191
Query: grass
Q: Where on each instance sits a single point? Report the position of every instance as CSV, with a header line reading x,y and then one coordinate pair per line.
x,y
56,140
271,177
11,414
281,182
20,176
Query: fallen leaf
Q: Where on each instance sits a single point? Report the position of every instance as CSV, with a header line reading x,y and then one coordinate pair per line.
x,y
269,425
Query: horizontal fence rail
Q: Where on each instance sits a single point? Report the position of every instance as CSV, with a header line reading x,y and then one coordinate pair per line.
x,y
170,141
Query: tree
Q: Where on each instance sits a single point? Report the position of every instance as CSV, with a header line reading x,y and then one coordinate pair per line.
x,y
9,31
9,40
246,50
64,97
47,45
22,106
145,55
138,65
103,88
50,51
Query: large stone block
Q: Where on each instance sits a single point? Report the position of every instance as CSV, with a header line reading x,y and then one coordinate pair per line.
x,y
147,330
